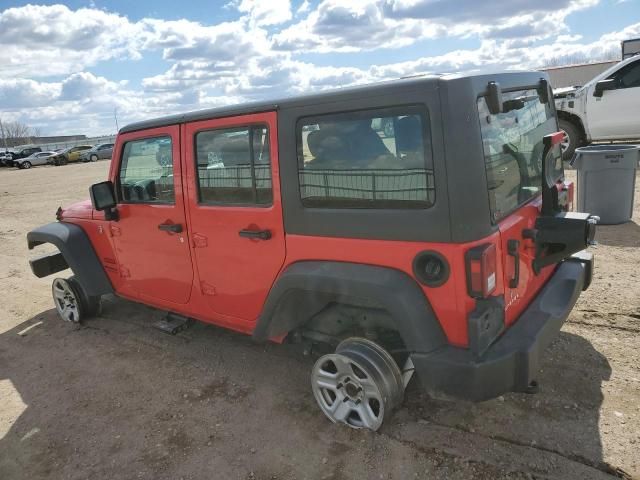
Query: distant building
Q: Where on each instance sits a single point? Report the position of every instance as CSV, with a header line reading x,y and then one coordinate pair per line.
x,y
15,142
571,75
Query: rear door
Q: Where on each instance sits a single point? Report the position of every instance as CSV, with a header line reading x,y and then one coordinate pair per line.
x,y
513,148
150,237
235,211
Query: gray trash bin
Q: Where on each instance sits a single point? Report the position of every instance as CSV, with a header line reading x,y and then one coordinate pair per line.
x,y
606,181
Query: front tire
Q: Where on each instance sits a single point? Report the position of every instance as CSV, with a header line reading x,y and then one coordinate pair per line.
x,y
25,165
572,138
359,385
72,302
93,158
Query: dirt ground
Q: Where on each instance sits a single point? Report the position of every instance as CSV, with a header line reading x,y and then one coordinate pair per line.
x,y
118,399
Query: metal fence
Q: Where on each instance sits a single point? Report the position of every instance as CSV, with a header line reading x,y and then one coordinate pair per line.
x,y
363,184
67,144
369,184
235,176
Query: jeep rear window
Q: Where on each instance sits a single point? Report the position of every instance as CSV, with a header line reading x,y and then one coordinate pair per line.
x,y
366,159
513,149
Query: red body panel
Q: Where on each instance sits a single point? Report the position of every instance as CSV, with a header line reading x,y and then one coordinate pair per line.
x,y
234,273
154,264
518,298
450,301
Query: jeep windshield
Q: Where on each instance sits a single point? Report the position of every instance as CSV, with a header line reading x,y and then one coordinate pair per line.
x,y
513,148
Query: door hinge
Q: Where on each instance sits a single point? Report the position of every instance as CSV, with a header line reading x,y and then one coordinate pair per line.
x,y
125,272
115,231
207,289
199,240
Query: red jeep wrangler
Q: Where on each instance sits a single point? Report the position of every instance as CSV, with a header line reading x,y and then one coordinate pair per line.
x,y
417,225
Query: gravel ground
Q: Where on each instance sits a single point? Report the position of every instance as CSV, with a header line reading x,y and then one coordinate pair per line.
x,y
118,399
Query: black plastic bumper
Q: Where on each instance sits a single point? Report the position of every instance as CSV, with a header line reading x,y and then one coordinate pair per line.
x,y
512,362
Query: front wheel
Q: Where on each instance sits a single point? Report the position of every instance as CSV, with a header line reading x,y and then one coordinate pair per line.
x,y
72,302
571,140
359,385
25,165
93,158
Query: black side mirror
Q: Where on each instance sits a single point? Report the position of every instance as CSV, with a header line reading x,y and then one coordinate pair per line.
x,y
103,198
603,85
543,90
494,98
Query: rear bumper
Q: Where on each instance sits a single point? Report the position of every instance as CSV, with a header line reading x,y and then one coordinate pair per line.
x,y
512,362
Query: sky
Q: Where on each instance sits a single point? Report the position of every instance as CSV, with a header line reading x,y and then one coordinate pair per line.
x,y
75,67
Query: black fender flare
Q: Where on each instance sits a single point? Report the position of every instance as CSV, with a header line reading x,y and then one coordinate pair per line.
x,y
77,250
307,285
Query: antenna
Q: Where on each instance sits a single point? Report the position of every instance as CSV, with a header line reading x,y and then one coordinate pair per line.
x,y
115,117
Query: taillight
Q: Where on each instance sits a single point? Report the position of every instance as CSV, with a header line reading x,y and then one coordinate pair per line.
x,y
481,270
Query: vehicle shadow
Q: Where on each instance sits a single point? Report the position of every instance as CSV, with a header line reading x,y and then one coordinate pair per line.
x,y
560,422
623,235
118,399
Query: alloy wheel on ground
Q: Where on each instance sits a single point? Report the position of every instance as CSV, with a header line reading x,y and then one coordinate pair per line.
x,y
67,300
359,385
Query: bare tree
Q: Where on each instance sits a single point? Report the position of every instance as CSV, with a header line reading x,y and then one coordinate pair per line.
x,y
611,55
16,133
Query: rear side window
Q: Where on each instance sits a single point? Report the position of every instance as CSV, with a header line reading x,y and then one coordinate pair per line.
x,y
366,159
234,166
146,171
513,148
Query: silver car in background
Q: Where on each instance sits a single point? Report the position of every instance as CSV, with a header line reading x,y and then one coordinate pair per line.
x,y
98,152
38,158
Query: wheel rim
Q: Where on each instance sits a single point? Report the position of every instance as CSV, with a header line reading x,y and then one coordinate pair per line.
x,y
27,165
566,141
346,393
357,385
66,301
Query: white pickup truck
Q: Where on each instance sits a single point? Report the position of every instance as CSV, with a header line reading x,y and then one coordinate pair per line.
x,y
606,108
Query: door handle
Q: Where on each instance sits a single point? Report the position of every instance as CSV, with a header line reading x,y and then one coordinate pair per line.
x,y
259,234
170,227
513,249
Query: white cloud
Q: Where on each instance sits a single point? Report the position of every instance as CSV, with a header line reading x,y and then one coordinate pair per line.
x,y
53,40
261,12
260,54
26,93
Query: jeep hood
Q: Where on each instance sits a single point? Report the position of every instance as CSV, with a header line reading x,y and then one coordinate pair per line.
x,y
76,210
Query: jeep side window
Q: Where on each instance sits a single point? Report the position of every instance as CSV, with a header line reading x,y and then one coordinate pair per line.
x,y
367,159
513,150
234,166
146,171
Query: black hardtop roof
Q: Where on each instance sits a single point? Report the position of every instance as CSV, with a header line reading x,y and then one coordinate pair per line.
x,y
328,96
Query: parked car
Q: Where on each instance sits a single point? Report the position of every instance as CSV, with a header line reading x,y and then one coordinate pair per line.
x,y
456,261
606,108
97,152
71,154
20,152
5,156
38,158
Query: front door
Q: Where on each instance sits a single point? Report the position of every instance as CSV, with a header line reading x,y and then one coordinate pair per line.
x,y
150,237
235,211
615,113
